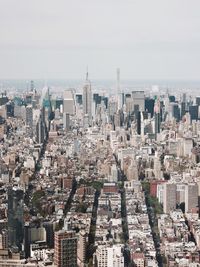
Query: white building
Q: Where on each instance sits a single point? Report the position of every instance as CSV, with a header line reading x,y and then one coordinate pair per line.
x,y
69,102
87,99
169,197
138,100
109,256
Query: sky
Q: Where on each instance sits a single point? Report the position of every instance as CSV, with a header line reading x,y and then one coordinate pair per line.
x,y
58,39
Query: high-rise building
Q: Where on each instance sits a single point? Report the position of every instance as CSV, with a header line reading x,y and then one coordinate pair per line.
x,y
169,197
69,102
157,117
32,86
79,99
4,239
183,109
66,121
81,251
87,99
149,105
40,131
119,92
198,100
194,111
15,217
138,100
29,116
65,247
138,120
109,256
175,111
191,197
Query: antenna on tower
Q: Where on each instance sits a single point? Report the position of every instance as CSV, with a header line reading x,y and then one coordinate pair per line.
x,y
87,73
118,80
119,95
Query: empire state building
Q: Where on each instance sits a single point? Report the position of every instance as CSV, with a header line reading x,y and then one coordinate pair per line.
x,y
87,99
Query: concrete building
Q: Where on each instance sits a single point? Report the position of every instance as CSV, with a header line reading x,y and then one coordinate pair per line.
x,y
65,254
69,102
109,256
169,197
4,239
15,216
138,100
81,251
29,116
87,99
66,121
191,197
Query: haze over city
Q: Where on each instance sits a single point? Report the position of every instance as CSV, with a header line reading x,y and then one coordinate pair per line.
x,y
48,39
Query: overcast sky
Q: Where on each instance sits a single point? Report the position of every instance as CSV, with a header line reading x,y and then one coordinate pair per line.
x,y
147,39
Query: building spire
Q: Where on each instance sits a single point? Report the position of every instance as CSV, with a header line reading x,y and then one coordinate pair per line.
x,y
87,73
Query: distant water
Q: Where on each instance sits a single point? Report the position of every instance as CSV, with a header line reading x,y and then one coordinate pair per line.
x,y
107,85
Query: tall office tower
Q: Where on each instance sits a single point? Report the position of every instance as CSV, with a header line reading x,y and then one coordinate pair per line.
x,y
66,121
69,102
172,98
169,197
138,121
4,239
81,251
175,111
157,167
87,99
129,103
10,109
49,233
15,217
29,116
157,117
79,99
117,122
183,109
119,93
65,247
112,107
149,105
194,112
132,171
198,100
191,197
32,86
184,99
138,100
40,131
108,256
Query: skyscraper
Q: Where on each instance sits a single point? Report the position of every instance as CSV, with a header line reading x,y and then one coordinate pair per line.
x,y
169,197
149,105
82,247
69,102
15,217
193,110
191,197
65,249
87,99
119,92
138,100
138,119
29,116
157,117
40,131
